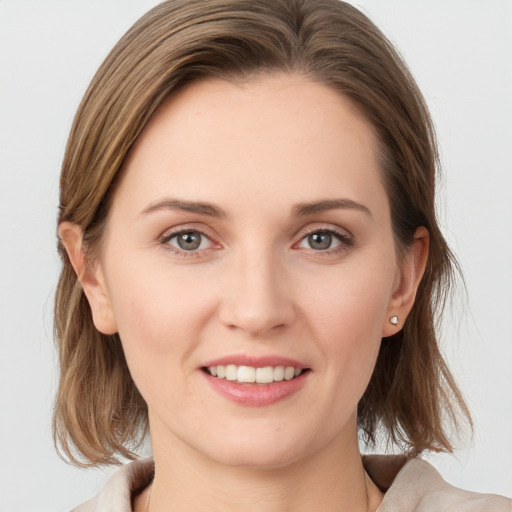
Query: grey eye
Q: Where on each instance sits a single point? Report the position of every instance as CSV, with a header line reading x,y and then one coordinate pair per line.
x,y
320,241
189,240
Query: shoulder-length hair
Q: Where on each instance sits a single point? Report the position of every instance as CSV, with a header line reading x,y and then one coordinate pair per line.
x,y
99,413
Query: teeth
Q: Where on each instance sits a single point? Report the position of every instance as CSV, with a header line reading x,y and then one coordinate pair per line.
x,y
279,373
289,373
249,374
231,372
246,374
265,375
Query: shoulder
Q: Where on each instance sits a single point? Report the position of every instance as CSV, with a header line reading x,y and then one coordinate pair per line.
x,y
416,486
409,485
116,495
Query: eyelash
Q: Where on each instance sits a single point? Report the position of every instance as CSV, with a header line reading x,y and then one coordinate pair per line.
x,y
164,241
345,240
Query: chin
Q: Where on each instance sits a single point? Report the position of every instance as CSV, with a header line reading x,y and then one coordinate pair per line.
x,y
260,459
260,451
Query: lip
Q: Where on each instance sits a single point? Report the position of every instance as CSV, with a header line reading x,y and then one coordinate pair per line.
x,y
256,395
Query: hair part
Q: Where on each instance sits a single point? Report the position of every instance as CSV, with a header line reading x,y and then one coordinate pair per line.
x,y
99,413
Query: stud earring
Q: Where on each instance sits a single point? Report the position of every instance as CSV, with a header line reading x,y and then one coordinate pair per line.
x,y
393,320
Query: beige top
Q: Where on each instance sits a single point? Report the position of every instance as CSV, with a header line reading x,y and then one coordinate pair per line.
x,y
409,486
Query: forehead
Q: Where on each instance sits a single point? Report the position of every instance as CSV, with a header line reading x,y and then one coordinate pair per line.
x,y
275,137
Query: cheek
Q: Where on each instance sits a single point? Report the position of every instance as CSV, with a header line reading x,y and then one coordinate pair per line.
x,y
349,303
347,317
159,318
151,298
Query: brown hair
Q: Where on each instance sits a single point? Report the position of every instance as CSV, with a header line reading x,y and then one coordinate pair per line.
x,y
99,413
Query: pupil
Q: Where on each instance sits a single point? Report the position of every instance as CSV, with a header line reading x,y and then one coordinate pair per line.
x,y
189,241
320,240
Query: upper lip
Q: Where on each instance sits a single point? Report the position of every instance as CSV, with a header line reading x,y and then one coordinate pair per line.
x,y
255,361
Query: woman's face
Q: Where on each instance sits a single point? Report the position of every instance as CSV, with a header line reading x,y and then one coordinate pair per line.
x,y
250,234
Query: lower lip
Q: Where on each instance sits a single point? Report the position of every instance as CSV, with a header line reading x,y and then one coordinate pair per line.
x,y
256,395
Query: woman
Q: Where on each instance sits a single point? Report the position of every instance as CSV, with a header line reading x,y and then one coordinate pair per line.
x,y
252,267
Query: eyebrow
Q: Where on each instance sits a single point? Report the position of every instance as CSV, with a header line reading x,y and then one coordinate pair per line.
x,y
210,210
303,209
200,208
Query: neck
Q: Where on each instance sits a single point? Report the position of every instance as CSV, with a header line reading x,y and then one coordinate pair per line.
x,y
331,480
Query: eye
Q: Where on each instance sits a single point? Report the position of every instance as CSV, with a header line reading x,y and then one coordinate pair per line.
x,y
190,240
324,240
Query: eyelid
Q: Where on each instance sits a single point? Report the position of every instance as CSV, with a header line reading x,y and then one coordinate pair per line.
x,y
329,228
183,227
171,233
344,236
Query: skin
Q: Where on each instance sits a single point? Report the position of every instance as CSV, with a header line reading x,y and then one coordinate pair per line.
x,y
256,286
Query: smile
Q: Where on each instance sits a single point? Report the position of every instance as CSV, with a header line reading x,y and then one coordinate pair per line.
x,y
253,375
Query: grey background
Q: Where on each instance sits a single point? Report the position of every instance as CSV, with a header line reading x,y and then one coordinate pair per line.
x,y
459,51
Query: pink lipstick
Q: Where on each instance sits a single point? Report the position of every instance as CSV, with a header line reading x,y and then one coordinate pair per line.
x,y
255,381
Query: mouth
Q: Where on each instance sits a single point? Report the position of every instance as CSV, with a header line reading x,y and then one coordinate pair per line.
x,y
254,375
256,381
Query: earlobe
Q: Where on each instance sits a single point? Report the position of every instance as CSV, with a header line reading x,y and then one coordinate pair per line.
x,y
90,276
408,279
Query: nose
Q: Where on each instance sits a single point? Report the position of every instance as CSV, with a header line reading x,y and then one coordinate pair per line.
x,y
258,298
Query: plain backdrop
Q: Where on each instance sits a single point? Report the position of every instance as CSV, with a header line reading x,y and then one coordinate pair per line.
x,y
460,52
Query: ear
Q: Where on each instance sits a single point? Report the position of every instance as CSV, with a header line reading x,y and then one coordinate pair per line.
x,y
407,280
90,276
